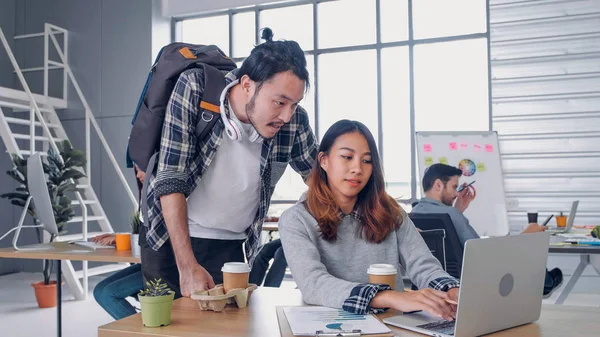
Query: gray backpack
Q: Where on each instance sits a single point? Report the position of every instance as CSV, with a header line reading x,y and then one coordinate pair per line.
x,y
172,60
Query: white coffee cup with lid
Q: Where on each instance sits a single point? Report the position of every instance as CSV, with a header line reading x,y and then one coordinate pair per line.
x,y
235,275
381,273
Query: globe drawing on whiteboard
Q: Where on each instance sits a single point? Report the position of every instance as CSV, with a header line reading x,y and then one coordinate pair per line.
x,y
467,166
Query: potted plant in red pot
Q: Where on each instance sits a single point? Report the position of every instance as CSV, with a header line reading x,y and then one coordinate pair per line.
x,y
62,170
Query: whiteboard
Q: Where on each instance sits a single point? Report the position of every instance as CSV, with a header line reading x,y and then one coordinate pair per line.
x,y
477,155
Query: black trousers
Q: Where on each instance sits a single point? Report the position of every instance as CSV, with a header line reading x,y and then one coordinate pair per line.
x,y
210,254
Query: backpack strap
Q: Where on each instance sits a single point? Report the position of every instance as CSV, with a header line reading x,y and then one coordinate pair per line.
x,y
214,83
144,199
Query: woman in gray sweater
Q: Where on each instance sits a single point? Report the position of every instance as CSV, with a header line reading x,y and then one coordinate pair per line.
x,y
347,222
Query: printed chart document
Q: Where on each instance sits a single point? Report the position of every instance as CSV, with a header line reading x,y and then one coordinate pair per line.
x,y
306,321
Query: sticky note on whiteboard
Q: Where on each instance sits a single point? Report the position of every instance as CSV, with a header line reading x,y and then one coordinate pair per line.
x,y
453,146
477,147
489,148
464,146
480,167
427,148
443,160
428,161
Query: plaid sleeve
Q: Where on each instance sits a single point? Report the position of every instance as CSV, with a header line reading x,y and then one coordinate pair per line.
x,y
178,142
361,296
444,283
305,147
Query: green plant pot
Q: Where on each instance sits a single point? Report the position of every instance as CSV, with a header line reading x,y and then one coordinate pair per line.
x,y
156,311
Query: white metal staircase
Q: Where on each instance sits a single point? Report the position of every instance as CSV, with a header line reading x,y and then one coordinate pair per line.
x,y
34,126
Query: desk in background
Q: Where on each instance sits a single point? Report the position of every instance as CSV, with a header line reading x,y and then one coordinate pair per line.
x,y
260,319
584,253
64,251
270,227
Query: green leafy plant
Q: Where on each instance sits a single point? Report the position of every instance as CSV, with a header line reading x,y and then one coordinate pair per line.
x,y
136,222
155,288
59,174
596,232
19,173
62,177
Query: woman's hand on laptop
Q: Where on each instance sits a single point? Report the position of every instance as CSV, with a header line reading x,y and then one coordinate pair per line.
x,y
432,301
453,294
105,239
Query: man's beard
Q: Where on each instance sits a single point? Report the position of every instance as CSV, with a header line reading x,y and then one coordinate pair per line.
x,y
250,112
448,201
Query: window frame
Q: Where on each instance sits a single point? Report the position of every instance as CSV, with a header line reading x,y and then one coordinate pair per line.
x,y
378,46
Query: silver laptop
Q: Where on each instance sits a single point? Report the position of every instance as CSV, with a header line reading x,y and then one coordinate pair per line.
x,y
570,221
502,283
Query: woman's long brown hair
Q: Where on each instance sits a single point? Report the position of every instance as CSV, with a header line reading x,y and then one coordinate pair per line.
x,y
380,213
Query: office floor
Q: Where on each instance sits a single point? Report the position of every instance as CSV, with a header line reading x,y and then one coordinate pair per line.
x,y
20,316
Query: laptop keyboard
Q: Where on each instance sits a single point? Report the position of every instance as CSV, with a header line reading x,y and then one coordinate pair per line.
x,y
441,326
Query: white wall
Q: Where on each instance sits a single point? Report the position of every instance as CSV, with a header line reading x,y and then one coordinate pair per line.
x,y
546,109
546,99
161,28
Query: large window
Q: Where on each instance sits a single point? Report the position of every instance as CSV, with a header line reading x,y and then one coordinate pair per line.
x,y
398,66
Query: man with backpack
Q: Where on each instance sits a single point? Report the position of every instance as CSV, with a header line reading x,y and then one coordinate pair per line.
x,y
211,190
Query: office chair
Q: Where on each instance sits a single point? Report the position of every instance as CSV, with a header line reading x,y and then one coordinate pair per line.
x,y
435,240
453,247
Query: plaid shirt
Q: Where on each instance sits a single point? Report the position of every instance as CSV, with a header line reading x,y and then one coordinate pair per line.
x,y
360,297
183,159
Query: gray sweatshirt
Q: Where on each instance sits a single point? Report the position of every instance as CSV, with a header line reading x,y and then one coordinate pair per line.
x,y
327,271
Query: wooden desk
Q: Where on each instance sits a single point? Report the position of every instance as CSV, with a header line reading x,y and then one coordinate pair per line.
x,y
65,251
584,252
260,319
270,227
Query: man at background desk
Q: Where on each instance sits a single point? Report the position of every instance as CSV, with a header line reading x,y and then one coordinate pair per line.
x,y
440,183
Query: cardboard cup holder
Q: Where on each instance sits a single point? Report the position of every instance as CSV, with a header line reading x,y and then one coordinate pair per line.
x,y
215,299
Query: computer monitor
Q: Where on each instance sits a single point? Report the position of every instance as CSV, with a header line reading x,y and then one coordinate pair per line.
x,y
38,193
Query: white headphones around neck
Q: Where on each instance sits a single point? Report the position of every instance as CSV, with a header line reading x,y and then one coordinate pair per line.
x,y
233,126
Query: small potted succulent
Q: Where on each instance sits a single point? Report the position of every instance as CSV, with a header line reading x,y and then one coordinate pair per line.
x,y
136,222
157,302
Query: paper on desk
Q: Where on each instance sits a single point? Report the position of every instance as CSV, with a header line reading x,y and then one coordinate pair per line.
x,y
573,235
89,244
305,321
